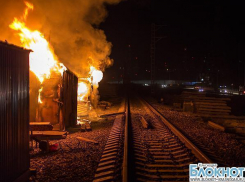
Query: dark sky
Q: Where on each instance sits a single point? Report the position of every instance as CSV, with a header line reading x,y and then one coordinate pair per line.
x,y
201,37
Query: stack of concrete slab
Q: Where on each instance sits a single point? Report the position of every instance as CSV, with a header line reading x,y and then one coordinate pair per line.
x,y
211,107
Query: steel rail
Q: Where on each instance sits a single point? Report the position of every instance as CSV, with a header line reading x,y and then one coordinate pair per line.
x,y
195,150
125,154
112,163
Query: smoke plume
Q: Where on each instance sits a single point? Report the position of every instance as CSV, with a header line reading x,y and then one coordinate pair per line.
x,y
71,26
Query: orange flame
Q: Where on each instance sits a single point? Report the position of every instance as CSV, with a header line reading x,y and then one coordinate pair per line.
x,y
95,76
39,95
43,59
82,91
29,6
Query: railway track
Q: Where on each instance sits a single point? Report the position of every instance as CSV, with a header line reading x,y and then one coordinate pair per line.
x,y
152,151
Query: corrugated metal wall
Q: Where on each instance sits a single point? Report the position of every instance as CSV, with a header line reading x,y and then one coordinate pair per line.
x,y
14,112
69,97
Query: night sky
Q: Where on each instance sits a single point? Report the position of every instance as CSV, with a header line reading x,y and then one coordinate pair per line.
x,y
200,37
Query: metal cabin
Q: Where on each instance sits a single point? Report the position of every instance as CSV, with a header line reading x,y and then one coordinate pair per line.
x,y
14,113
58,109
69,98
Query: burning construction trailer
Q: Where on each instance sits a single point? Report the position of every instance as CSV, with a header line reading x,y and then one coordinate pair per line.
x,y
55,107
57,102
47,99
53,89
88,96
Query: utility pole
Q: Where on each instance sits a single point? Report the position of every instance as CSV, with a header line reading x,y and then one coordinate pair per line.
x,y
153,55
244,75
154,40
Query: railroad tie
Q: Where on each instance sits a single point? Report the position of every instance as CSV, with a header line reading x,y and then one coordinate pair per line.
x,y
108,164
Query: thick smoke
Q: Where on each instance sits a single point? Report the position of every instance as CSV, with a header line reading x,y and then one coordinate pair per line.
x,y
70,27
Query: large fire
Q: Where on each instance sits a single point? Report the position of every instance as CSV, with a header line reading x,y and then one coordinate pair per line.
x,y
82,91
96,75
87,87
84,85
42,60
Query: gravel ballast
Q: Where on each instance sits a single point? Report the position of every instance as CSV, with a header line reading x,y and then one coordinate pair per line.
x,y
72,162
223,145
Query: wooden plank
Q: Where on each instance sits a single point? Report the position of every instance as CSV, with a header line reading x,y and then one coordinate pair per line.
x,y
240,130
216,126
106,163
214,99
241,125
144,122
48,133
108,158
214,106
210,103
107,173
107,178
111,114
41,126
214,109
39,123
87,140
223,117
105,168
214,113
